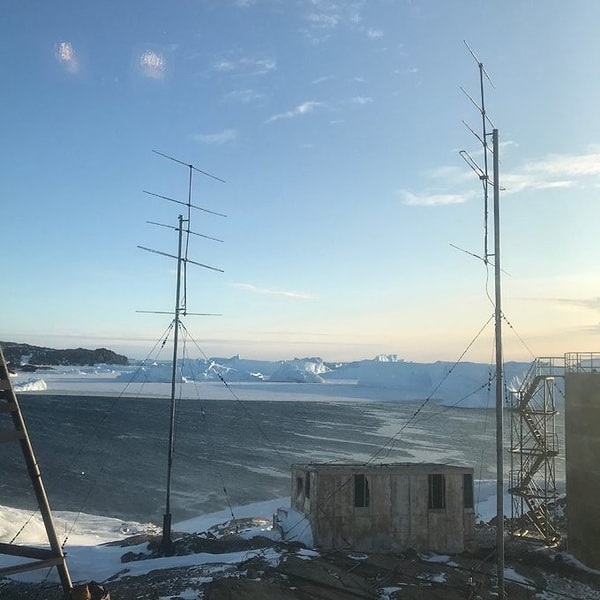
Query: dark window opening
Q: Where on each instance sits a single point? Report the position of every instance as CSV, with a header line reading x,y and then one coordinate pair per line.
x,y
307,486
437,491
468,495
299,486
361,491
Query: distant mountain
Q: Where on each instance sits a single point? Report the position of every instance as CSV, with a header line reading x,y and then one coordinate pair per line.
x,y
30,357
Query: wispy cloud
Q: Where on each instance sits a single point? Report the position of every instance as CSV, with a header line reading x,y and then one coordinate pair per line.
x,y
553,171
65,55
324,17
556,171
324,20
374,33
246,96
321,79
586,303
360,100
425,199
269,292
301,109
245,65
218,138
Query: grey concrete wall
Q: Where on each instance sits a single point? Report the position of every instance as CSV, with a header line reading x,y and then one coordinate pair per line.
x,y
398,516
582,439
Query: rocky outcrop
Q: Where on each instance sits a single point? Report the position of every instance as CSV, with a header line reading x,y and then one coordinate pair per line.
x,y
32,356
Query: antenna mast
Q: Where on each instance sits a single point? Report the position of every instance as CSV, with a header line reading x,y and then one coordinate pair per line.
x,y
483,176
183,227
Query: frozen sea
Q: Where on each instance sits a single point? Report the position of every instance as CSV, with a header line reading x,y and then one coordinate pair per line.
x,y
107,454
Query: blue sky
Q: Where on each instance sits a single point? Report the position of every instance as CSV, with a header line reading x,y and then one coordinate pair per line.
x,y
337,126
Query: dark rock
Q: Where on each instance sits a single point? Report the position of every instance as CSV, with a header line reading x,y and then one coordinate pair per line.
x,y
41,356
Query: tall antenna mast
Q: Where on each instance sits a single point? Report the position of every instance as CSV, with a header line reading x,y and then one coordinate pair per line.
x,y
184,231
483,175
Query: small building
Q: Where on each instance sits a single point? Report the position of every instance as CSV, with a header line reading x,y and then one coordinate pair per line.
x,y
387,507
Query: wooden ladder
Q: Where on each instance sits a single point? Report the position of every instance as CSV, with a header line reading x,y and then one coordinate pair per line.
x,y
38,558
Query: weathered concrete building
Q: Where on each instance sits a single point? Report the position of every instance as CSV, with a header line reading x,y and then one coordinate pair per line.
x,y
582,438
387,507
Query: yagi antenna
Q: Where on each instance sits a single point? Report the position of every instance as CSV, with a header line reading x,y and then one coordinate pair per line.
x,y
483,175
183,230
481,171
187,230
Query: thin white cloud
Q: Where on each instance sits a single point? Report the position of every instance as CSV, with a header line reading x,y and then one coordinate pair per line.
x,y
554,171
327,21
361,100
410,199
301,109
246,96
586,303
218,138
513,183
374,33
246,65
321,79
324,17
65,55
575,165
269,292
224,64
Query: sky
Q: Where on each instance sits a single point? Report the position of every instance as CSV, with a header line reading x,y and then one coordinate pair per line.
x,y
337,127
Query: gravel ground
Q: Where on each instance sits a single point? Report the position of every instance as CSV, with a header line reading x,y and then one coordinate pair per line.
x,y
533,572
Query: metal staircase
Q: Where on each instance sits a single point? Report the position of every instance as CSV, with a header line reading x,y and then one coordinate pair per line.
x,y
534,446
12,429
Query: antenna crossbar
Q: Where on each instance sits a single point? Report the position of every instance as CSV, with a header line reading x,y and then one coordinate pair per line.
x,y
208,237
189,165
170,312
182,259
189,205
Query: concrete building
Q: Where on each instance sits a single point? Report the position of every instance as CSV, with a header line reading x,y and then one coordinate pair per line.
x,y
388,507
582,439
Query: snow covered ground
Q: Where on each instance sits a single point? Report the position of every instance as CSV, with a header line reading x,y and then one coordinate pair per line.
x,y
90,559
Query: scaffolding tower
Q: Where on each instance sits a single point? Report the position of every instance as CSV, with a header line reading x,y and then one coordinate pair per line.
x,y
534,447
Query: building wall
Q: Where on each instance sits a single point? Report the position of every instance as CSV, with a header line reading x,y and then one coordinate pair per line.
x,y
398,516
582,440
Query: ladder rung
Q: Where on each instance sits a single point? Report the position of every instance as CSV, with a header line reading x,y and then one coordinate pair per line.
x,y
29,566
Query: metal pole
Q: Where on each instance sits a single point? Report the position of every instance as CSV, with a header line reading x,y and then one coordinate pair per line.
x,y
499,379
167,543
